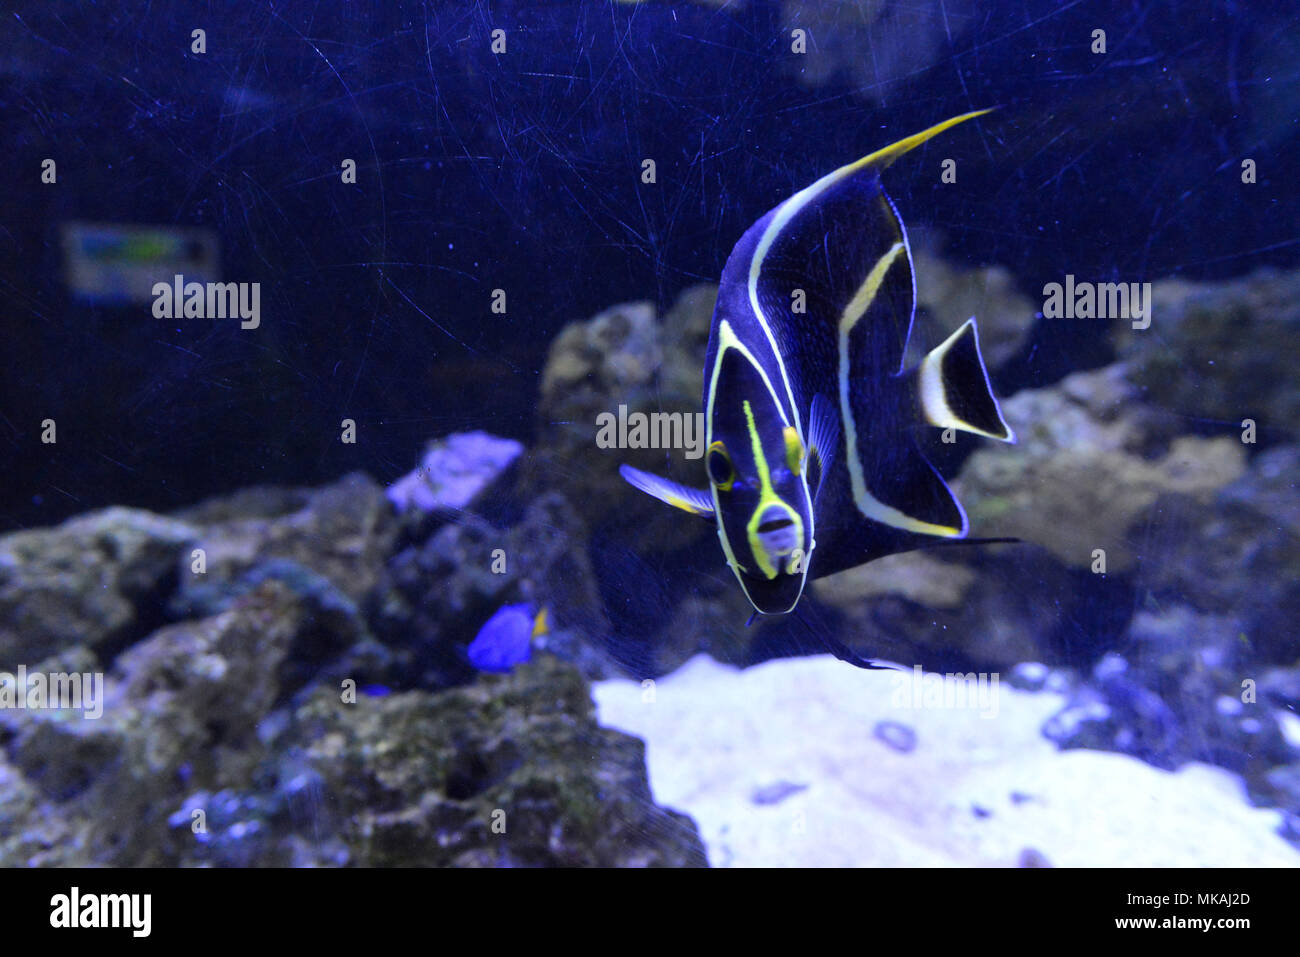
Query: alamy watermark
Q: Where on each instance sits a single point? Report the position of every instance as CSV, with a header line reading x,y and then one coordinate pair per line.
x,y
920,691
133,912
209,300
57,690
651,430
1098,300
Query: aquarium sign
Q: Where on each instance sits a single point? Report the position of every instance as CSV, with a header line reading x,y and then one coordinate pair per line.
x,y
117,263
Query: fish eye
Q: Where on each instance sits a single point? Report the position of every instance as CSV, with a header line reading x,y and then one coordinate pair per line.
x,y
721,472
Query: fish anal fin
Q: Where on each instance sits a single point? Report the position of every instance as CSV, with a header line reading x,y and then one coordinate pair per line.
x,y
894,543
943,543
953,391
693,500
904,492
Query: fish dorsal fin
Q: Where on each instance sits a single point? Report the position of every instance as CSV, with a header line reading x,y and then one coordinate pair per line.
x,y
882,158
823,441
953,391
843,251
693,500
831,263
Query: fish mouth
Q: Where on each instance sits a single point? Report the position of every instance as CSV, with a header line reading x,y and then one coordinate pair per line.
x,y
777,534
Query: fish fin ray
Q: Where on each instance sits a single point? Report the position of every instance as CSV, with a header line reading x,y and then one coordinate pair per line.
x,y
883,157
693,500
823,439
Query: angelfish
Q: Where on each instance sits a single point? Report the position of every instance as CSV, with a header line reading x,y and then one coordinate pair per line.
x,y
810,416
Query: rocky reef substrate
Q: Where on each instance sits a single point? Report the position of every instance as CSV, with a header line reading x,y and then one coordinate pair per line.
x,y
284,684
285,671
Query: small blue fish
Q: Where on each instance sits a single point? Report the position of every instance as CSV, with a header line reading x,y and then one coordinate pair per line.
x,y
507,638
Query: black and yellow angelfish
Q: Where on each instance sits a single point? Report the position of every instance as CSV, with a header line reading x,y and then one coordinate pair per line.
x,y
812,466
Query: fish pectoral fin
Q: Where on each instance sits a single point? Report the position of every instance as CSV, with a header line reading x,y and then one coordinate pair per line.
x,y
952,388
693,500
823,441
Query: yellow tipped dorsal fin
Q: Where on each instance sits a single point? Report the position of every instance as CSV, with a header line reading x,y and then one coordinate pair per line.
x,y
881,158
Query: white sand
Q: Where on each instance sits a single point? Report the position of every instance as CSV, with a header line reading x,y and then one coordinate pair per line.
x,y
715,735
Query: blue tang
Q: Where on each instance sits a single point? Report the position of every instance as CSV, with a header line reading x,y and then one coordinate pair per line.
x,y
506,639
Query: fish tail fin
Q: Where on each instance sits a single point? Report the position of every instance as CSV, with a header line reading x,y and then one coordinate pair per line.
x,y
952,388
541,623
882,158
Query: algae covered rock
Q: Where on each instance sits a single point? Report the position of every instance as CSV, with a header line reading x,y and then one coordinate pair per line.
x,y
1082,476
512,770
342,532
509,771
199,759
179,709
950,296
327,546
32,834
624,362
1238,555
96,580
616,351
1222,352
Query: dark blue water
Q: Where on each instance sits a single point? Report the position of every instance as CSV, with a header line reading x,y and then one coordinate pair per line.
x,y
478,171
432,213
